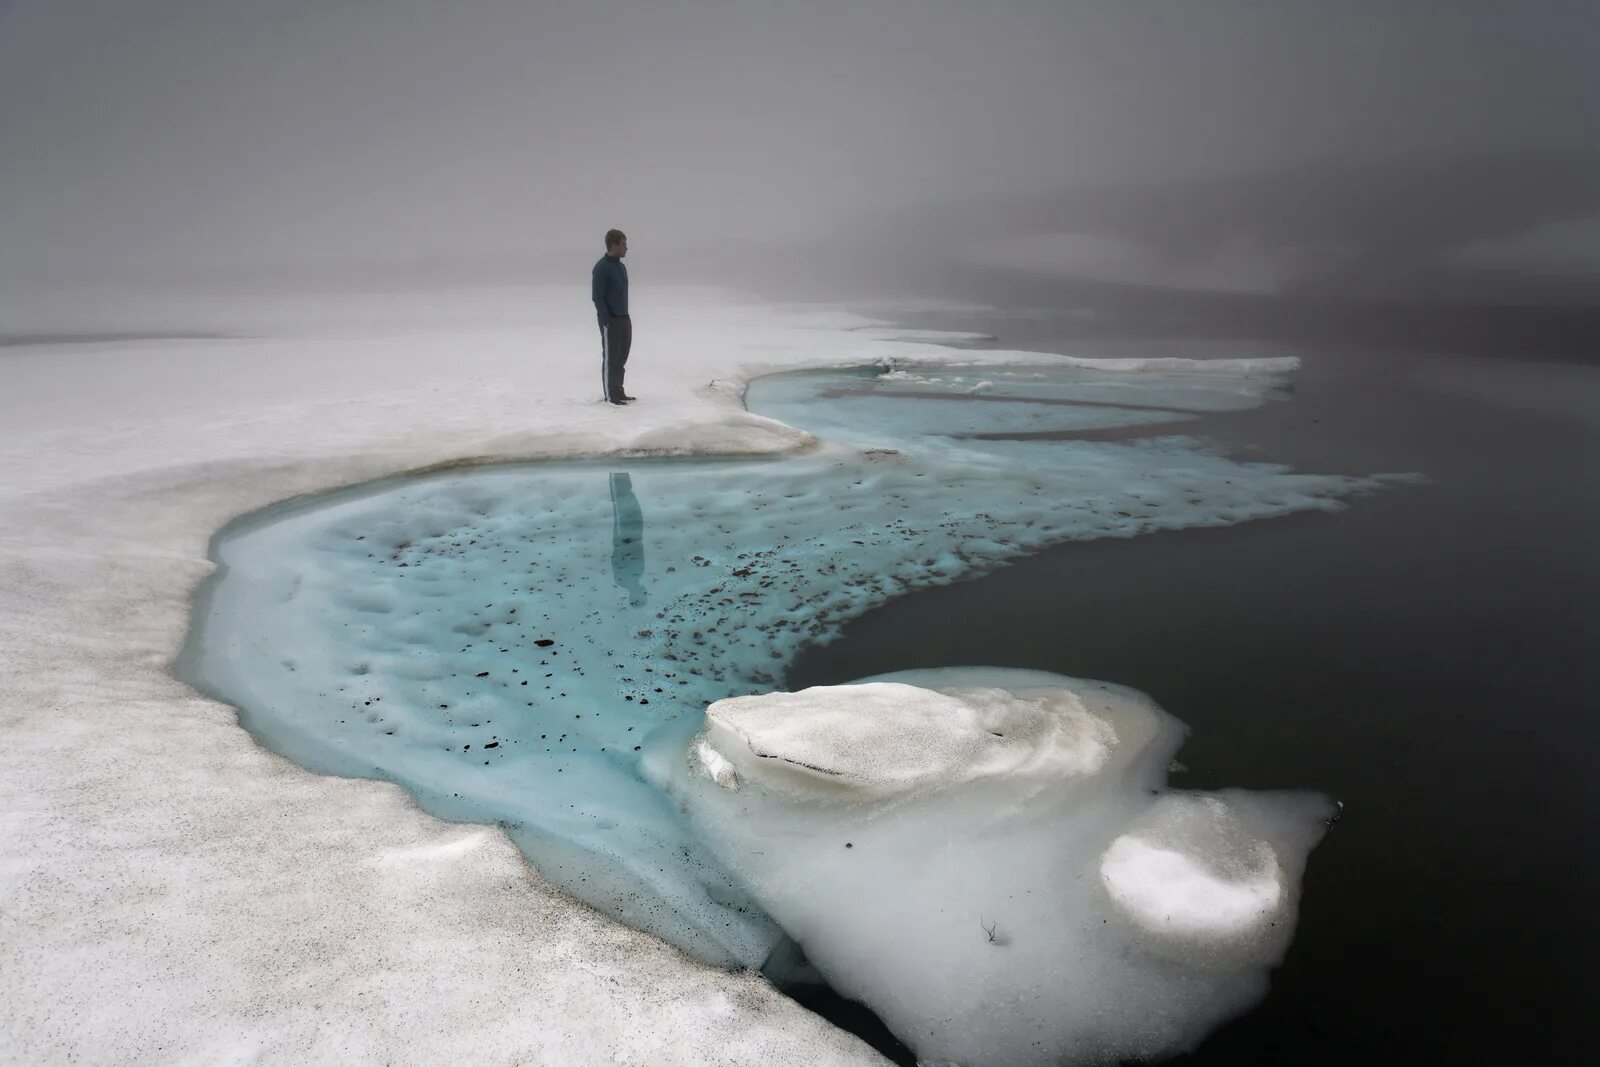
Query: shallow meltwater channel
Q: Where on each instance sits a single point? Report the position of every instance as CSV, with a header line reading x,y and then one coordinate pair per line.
x,y
988,859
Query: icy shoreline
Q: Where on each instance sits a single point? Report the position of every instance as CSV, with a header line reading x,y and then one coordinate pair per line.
x,y
171,890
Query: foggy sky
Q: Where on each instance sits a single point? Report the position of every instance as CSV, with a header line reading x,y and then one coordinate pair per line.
x,y
202,133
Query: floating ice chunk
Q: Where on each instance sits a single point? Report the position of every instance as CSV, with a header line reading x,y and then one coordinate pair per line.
x,y
988,859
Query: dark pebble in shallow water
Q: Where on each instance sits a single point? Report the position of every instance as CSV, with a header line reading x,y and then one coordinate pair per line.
x,y
544,642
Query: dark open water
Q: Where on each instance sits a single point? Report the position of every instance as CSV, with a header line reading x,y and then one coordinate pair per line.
x,y
1428,656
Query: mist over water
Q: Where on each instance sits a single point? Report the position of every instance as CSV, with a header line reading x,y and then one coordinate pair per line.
x,y
1235,145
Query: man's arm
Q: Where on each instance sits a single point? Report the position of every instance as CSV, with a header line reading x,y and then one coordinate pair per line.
x,y
602,282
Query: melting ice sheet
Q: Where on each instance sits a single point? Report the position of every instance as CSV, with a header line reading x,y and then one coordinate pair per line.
x,y
536,645
951,409
989,859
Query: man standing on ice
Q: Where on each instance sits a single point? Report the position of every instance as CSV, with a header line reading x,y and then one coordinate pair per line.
x,y
610,291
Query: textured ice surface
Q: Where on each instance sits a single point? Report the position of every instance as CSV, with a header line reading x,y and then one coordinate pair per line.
x,y
536,645
988,859
926,405
884,739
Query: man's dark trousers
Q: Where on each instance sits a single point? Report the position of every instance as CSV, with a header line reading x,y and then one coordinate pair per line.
x,y
616,337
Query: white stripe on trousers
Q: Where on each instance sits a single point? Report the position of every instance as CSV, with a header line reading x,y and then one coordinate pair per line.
x,y
605,360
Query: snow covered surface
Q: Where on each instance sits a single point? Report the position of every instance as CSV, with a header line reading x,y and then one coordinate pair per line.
x,y
171,890
989,860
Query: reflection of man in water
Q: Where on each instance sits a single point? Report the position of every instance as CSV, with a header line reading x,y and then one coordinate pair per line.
x,y
627,538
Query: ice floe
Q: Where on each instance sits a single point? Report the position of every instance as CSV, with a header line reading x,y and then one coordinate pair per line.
x,y
991,861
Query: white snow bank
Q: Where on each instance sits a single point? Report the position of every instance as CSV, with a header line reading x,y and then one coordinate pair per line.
x,y
169,890
987,859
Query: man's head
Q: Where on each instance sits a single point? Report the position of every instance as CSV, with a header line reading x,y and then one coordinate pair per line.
x,y
616,243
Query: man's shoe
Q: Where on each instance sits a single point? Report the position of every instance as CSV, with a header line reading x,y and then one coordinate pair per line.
x,y
619,403
626,399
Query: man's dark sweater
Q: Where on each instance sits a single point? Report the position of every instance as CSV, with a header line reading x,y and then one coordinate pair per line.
x,y
610,292
610,287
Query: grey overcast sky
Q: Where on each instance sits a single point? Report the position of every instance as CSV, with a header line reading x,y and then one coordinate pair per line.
x,y
209,132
